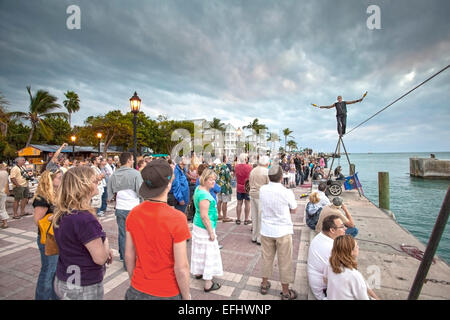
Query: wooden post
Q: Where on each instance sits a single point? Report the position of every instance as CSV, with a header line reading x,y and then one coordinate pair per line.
x,y
352,169
383,190
432,246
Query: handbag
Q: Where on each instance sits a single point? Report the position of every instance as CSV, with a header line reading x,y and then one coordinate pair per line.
x,y
51,247
44,224
247,186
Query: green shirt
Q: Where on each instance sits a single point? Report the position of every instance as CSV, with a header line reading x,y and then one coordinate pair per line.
x,y
200,195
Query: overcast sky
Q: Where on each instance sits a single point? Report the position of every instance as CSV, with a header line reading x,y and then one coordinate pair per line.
x,y
240,60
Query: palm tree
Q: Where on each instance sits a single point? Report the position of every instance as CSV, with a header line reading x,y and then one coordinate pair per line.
x,y
217,124
286,133
39,109
72,104
256,127
273,137
292,145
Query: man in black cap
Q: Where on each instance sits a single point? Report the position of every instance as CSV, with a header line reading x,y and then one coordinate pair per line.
x,y
156,234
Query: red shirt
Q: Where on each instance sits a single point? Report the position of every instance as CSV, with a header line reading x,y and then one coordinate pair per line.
x,y
242,172
154,228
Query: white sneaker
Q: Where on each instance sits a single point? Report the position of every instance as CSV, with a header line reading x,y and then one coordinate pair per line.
x,y
101,214
220,246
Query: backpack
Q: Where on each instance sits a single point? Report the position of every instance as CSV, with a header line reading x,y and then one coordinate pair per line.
x,y
247,186
313,218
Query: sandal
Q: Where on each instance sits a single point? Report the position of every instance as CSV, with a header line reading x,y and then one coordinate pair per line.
x,y
219,217
238,221
198,276
227,220
246,222
265,289
18,217
4,226
215,286
292,295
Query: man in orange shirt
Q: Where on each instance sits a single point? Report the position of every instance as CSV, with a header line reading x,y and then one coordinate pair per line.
x,y
156,234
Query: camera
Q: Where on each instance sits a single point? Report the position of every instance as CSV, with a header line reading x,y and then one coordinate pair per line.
x,y
27,175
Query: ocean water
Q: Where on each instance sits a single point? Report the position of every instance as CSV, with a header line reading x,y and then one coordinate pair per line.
x,y
414,201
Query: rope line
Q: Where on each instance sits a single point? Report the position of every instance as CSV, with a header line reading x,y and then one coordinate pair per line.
x,y
442,70
412,251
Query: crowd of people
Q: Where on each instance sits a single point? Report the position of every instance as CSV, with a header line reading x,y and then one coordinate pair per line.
x,y
153,200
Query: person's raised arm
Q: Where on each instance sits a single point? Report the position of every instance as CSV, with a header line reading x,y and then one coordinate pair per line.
x,y
55,156
327,107
350,223
358,100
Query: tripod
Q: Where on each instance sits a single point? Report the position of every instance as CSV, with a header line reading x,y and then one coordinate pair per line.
x,y
337,153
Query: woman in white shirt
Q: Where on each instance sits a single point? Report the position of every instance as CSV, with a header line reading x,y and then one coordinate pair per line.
x,y
344,281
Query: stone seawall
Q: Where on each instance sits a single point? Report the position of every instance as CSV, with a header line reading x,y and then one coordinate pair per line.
x,y
429,168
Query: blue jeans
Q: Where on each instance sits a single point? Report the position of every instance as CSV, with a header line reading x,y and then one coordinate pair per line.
x,y
104,200
44,286
351,231
121,217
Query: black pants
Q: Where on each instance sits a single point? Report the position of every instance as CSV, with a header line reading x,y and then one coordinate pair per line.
x,y
341,123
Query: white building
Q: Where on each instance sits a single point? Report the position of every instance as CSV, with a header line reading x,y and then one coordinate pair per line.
x,y
218,143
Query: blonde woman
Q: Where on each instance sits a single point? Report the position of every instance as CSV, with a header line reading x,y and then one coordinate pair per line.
x,y
43,203
83,246
206,261
312,210
345,282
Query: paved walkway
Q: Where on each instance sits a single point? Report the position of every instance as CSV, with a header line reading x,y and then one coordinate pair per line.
x,y
20,260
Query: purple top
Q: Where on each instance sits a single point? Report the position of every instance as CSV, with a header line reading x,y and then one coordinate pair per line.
x,y
75,230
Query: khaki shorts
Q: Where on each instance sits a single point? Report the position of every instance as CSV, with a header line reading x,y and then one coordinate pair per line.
x,y
21,193
224,197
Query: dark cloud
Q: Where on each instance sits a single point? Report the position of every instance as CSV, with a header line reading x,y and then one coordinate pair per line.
x,y
238,60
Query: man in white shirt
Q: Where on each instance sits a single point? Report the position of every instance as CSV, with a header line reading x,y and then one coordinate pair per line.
x,y
259,176
110,167
324,201
320,252
277,204
125,184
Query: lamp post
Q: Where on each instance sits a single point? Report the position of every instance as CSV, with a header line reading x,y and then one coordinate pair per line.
x,y
99,137
135,104
73,138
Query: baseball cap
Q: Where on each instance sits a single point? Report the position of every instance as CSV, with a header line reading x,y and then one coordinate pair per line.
x,y
337,201
156,175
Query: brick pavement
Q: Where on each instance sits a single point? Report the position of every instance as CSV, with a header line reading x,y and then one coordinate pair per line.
x,y
20,260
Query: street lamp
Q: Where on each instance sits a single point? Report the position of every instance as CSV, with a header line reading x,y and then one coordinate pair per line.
x,y
73,138
99,137
135,104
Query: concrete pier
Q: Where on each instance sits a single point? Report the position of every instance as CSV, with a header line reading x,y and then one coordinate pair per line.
x,y
429,168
